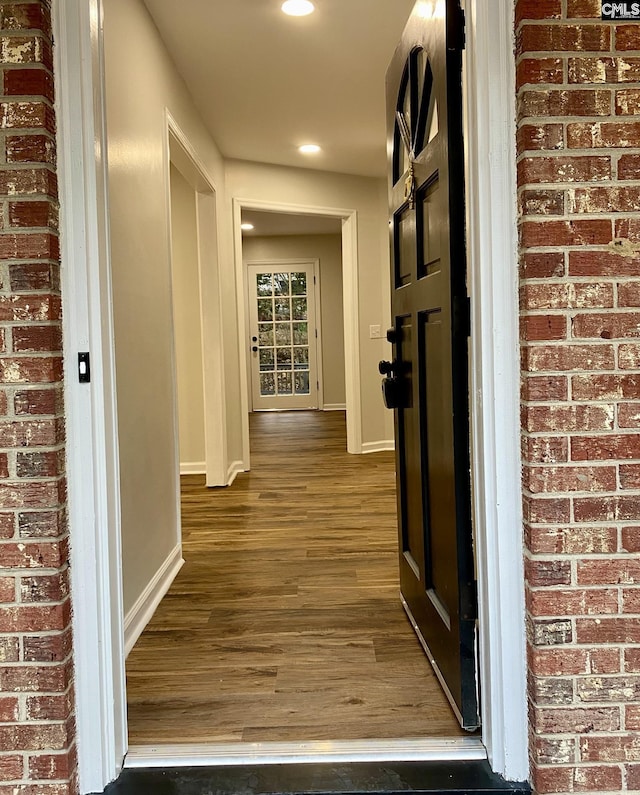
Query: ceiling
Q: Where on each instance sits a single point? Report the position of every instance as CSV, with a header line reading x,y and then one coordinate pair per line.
x,y
266,83
269,224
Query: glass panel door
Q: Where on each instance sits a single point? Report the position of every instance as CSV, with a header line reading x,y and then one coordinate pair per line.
x,y
283,336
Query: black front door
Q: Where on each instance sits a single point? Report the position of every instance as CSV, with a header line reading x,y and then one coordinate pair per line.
x,y
428,381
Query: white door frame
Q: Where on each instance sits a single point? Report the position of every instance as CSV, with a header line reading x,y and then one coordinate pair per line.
x,y
92,453
317,308
350,311
182,154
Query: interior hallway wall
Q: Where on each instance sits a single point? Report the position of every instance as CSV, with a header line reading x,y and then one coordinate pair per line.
x,y
135,58
328,250
187,323
368,196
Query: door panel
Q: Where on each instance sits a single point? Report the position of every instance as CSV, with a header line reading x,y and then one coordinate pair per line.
x,y
282,320
430,339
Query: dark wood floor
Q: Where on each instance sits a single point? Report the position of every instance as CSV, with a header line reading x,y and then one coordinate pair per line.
x,y
285,622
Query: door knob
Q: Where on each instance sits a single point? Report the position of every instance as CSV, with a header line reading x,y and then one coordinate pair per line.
x,y
392,335
386,368
254,339
254,348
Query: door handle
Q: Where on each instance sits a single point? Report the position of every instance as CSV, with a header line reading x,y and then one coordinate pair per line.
x,y
254,339
254,348
386,368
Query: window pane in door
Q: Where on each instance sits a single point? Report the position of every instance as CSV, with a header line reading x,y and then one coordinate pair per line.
x,y
267,384
283,308
265,334
266,359
300,334
284,358
264,285
302,383
299,283
299,306
285,386
283,333
301,358
281,283
265,309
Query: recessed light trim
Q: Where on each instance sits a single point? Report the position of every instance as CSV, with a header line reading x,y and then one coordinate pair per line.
x,y
309,149
298,8
246,227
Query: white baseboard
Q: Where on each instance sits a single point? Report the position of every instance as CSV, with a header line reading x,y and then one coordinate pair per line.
x,y
378,447
235,468
142,611
193,467
334,407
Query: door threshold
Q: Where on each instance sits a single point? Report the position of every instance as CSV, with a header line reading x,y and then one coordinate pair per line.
x,y
435,749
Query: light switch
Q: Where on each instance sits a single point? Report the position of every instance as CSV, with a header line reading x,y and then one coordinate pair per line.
x,y
374,332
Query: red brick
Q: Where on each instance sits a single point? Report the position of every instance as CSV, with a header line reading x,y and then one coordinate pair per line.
x,y
33,149
550,632
545,387
629,167
578,295
20,114
11,767
542,202
605,387
49,766
629,415
613,571
39,464
550,479
55,647
550,690
558,662
604,661
33,618
628,356
538,9
4,404
633,774
34,433
35,679
575,602
541,358
33,738
39,245
628,102
37,338
630,476
557,418
45,588
563,37
627,37
48,555
9,710
630,539
607,509
25,50
596,135
632,661
538,71
608,630
629,294
9,649
605,448
26,370
617,748
575,540
583,8
603,263
631,601
31,82
604,70
540,137
547,572
4,465
606,325
540,266
33,213
598,778
29,276
581,232
22,308
543,327
25,494
577,720
38,401
547,509
604,200
577,168
42,524
28,182
552,779
7,589
49,707
574,102
21,16
545,449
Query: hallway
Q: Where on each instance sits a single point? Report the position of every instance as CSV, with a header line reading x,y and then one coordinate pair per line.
x,y
285,623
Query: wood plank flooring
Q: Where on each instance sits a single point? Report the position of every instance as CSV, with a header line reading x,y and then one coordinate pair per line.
x,y
285,622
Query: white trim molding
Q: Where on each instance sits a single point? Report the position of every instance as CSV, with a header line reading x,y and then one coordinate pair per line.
x,y
147,603
91,418
379,447
495,379
193,467
334,407
235,468
457,749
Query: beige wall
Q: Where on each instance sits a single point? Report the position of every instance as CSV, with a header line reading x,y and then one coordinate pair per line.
x,y
328,250
135,59
187,323
278,184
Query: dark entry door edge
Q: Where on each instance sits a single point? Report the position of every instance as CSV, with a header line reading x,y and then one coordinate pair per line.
x,y
356,778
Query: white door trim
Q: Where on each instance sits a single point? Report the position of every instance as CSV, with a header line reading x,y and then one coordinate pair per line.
x,y
183,155
351,313
495,380
273,264
91,417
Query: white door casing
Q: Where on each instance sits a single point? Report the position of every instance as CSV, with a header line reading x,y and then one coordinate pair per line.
x,y
91,411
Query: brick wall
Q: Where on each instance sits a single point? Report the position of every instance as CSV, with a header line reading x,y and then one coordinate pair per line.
x,y
36,728
579,191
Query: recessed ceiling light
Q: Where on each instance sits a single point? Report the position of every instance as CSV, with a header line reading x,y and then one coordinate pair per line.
x,y
247,227
298,8
309,149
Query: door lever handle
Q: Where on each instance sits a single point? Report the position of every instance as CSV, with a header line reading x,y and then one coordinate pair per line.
x,y
386,368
